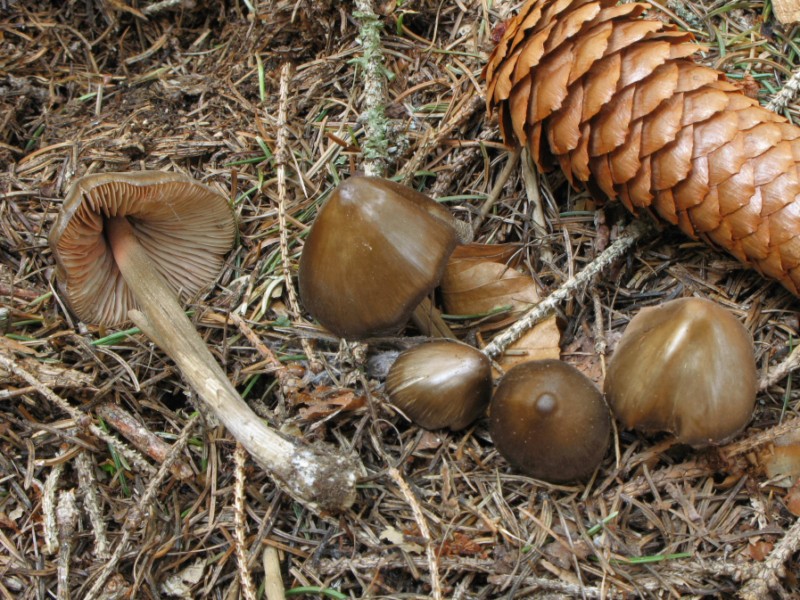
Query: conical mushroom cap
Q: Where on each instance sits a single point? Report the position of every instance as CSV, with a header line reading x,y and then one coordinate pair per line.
x,y
376,249
686,367
185,227
441,384
549,421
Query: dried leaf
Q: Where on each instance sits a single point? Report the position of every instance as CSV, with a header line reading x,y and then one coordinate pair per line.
x,y
460,545
325,401
397,537
539,343
478,281
780,461
759,549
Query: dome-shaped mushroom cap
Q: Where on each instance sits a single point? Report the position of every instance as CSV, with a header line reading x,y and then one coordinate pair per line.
x,y
686,367
441,384
376,249
550,421
185,227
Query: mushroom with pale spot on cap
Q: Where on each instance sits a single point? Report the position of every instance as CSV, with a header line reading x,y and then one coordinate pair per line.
x,y
126,246
550,421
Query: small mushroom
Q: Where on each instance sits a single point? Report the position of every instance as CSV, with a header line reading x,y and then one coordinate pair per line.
x,y
126,245
549,421
441,384
686,367
375,251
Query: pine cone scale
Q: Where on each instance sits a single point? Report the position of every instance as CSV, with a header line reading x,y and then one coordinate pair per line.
x,y
616,101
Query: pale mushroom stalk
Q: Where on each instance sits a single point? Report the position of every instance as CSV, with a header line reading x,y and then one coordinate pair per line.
x,y
132,246
324,479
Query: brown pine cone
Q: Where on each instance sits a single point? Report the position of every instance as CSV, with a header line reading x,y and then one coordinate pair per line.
x,y
617,101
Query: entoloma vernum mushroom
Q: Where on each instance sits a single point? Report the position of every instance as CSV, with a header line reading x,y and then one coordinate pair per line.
x,y
550,421
688,367
126,244
375,251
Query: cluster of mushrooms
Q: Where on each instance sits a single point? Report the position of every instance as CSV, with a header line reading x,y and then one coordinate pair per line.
x,y
132,246
686,367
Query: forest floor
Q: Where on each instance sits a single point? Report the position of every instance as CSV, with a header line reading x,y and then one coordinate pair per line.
x,y
196,86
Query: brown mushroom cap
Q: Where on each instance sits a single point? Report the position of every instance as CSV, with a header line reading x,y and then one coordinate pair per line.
x,y
686,367
185,227
441,384
549,421
376,249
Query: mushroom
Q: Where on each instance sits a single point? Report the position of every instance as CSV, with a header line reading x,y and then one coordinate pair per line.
x,y
440,384
549,421
686,367
126,246
375,252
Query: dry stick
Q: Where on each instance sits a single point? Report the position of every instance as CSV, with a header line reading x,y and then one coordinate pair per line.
x,y
282,153
636,231
788,92
497,189
87,485
239,517
134,517
321,479
80,418
531,180
372,65
140,436
67,519
768,575
49,508
430,552
273,582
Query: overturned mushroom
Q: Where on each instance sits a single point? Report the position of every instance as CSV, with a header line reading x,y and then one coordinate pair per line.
x,y
375,251
686,367
441,384
126,245
549,421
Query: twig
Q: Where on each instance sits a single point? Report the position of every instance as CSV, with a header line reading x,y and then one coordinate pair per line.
x,y
780,371
497,189
376,142
768,575
82,419
281,155
49,508
531,180
430,553
786,94
161,6
135,516
239,516
636,231
67,519
86,484
140,436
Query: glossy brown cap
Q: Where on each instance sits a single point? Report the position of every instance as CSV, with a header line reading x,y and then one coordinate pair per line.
x,y
441,384
376,249
185,227
686,367
549,421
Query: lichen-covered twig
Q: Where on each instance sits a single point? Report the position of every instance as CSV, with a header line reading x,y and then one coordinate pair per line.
x,y
635,232
239,530
767,577
373,70
786,94
135,516
88,487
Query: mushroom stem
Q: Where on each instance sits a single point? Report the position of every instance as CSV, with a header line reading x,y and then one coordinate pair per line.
x,y
321,478
430,322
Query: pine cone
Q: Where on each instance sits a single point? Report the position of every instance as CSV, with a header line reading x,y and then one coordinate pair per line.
x,y
618,103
